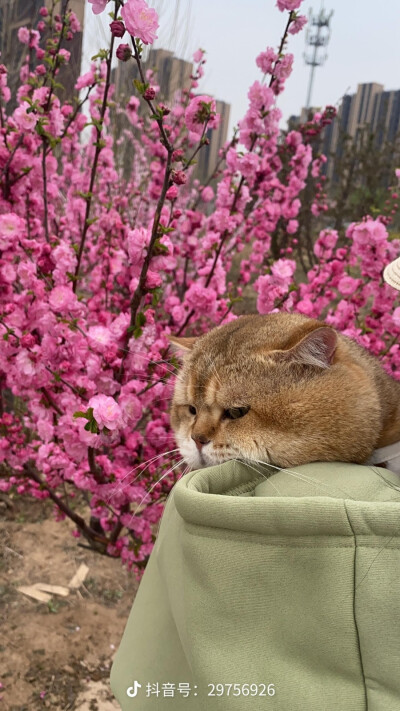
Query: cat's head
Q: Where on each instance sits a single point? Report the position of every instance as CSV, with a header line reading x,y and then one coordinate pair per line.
x,y
281,388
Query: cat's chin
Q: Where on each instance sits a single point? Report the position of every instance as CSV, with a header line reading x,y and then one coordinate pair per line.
x,y
199,460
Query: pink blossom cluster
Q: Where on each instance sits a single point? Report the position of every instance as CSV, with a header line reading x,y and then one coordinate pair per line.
x,y
95,274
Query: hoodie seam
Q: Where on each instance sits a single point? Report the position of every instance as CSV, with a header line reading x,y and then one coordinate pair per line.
x,y
354,609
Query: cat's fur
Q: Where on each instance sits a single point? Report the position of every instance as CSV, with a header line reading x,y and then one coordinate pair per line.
x,y
313,394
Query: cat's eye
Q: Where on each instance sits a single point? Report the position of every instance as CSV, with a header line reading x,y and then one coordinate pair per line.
x,y
192,409
235,412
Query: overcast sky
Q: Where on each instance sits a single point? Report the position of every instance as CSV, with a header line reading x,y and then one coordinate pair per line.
x,y
364,46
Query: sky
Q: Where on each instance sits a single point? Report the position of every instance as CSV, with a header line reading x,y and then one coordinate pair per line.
x,y
364,46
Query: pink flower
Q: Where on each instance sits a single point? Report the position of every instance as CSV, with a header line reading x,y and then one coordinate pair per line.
x,y
11,228
100,337
98,6
201,109
131,408
153,280
106,411
198,56
306,307
62,299
24,364
261,96
288,5
298,24
65,55
202,299
347,285
396,317
266,294
24,120
283,269
283,68
292,227
24,35
266,60
207,194
138,239
85,80
325,243
141,20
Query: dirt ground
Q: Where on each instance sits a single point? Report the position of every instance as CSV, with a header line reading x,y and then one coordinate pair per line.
x,y
56,655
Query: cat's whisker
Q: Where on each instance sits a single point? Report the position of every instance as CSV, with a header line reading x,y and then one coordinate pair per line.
x,y
268,479
154,362
169,471
119,489
307,479
146,378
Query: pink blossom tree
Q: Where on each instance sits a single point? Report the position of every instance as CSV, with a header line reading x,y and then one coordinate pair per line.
x,y
96,268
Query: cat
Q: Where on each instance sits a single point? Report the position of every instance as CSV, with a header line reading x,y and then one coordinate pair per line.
x,y
283,389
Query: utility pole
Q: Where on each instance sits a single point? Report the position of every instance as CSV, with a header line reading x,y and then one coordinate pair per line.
x,y
317,36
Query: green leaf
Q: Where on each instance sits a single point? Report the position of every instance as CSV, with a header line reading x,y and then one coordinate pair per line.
x,y
98,123
88,415
140,86
140,319
164,231
157,293
101,54
72,277
56,85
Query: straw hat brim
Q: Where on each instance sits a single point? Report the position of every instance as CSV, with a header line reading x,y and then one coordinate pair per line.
x,y
391,274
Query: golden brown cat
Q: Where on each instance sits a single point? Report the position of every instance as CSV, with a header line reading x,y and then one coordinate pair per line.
x,y
283,389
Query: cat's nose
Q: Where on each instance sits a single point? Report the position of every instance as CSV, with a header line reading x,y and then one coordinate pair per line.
x,y
199,440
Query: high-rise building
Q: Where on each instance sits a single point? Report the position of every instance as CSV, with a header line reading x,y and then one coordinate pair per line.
x,y
208,156
370,111
173,74
25,13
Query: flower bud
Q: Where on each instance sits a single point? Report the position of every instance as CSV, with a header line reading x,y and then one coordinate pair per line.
x,y
172,193
117,28
28,340
149,94
124,52
177,155
178,177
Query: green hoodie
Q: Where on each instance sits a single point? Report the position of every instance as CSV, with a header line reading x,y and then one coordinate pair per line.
x,y
269,591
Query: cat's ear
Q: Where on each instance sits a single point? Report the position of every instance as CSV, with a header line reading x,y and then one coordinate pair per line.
x,y
317,348
181,346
